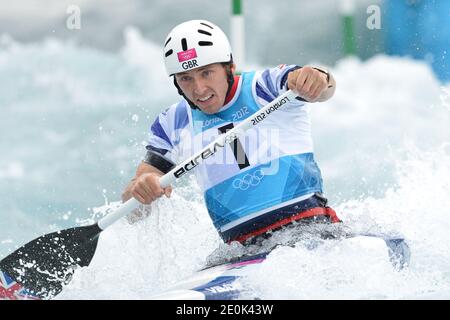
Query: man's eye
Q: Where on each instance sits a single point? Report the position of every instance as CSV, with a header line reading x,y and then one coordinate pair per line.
x,y
206,73
185,78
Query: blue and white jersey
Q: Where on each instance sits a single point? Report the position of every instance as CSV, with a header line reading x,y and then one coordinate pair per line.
x,y
271,167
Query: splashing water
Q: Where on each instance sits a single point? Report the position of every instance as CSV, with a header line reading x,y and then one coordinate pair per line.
x,y
417,208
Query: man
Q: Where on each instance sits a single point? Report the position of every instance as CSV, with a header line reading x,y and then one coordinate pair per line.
x,y
255,186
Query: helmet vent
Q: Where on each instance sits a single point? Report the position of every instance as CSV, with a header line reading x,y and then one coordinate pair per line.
x,y
205,43
206,25
204,32
168,40
168,53
184,44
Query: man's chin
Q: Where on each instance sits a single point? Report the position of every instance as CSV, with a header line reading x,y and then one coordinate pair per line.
x,y
209,109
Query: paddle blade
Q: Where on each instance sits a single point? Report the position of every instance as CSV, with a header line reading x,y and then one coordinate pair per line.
x,y
41,268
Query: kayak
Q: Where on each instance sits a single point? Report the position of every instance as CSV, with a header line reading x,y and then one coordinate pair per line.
x,y
214,283
221,282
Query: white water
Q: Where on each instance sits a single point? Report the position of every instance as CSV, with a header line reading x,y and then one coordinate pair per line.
x,y
73,123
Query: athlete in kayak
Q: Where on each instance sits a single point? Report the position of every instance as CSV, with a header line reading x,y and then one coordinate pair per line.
x,y
258,184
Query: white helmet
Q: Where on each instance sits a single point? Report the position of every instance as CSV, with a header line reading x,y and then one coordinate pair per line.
x,y
194,44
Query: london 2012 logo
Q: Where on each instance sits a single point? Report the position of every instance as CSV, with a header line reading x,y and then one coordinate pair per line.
x,y
248,180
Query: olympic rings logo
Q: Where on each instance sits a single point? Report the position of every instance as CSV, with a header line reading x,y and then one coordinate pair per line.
x,y
248,180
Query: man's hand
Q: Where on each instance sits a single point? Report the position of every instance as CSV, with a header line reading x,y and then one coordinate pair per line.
x,y
308,83
145,185
146,188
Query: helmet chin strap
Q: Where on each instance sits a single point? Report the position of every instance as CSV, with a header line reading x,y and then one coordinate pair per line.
x,y
181,93
230,80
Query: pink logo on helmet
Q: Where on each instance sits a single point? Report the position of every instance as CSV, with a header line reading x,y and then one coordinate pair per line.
x,y
187,55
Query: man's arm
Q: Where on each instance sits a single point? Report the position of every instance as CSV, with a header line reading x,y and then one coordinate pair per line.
x,y
273,82
145,187
312,84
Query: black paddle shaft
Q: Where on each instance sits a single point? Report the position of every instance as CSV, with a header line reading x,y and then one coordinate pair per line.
x,y
47,263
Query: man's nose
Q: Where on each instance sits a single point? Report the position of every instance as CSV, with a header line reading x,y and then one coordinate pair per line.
x,y
199,86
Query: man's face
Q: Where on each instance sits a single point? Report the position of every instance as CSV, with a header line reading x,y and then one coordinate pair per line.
x,y
206,86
